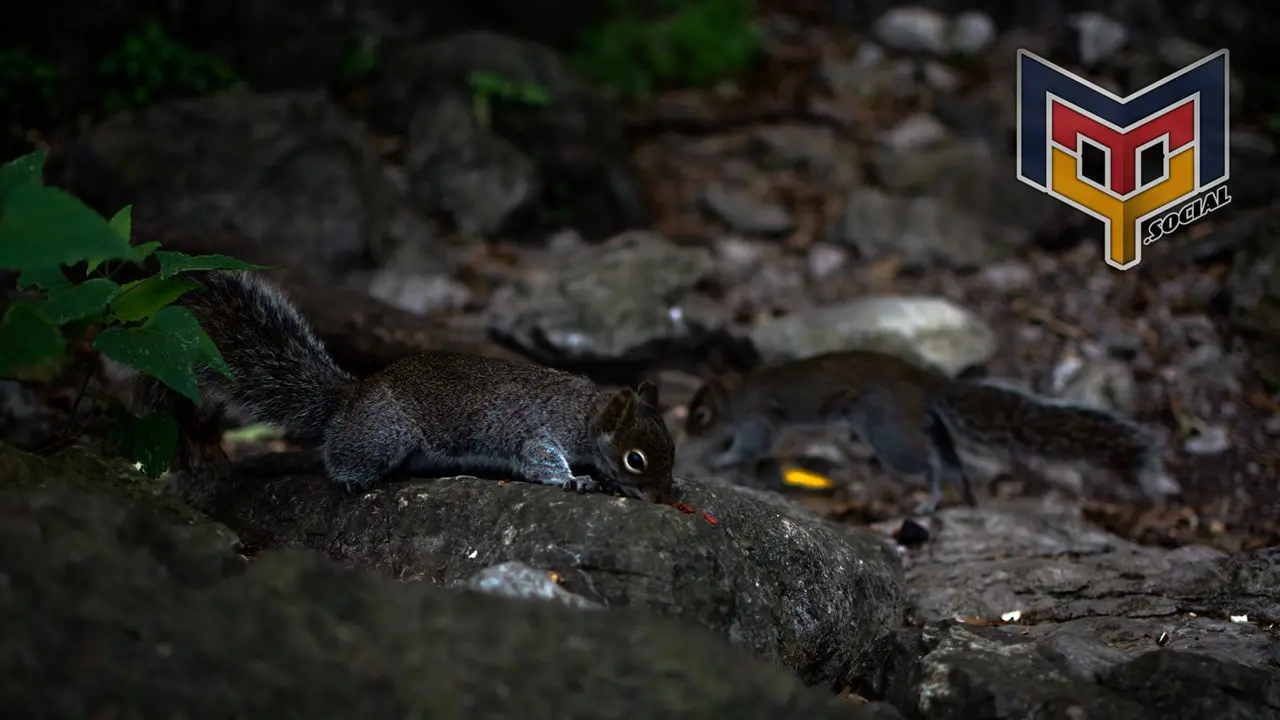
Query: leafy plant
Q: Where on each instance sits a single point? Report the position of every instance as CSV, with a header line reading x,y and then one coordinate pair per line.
x,y
25,79
150,65
360,58
485,86
691,43
43,231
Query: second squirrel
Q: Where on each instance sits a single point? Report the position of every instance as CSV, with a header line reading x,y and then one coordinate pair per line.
x,y
432,414
913,417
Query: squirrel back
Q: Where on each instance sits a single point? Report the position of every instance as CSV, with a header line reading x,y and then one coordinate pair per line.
x,y
995,414
284,375
432,414
914,417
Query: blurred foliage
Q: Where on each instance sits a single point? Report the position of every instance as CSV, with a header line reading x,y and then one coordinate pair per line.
x,y
487,87
360,59
27,82
150,66
668,43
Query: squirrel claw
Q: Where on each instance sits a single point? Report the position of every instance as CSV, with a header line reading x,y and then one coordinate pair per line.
x,y
580,483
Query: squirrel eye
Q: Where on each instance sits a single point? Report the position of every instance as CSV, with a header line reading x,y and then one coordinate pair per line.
x,y
635,461
702,416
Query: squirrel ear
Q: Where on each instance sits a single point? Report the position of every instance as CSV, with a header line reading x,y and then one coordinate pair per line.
x,y
648,392
616,411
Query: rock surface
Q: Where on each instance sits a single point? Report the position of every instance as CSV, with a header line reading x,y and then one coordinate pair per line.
x,y
114,610
1024,609
931,330
807,594
631,299
289,170
556,157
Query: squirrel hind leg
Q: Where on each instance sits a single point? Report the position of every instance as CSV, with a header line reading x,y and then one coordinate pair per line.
x,y
904,448
357,456
946,464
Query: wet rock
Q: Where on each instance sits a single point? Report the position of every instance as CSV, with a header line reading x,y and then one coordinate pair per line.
x,y
920,231
518,580
418,294
1272,425
746,214
928,329
859,77
458,168
825,261
797,590
972,33
941,78
1009,277
916,132
956,202
1210,440
629,299
544,151
1093,625
738,258
288,171
817,151
912,29
1043,560
172,613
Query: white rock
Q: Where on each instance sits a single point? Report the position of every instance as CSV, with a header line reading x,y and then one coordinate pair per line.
x,y
912,29
972,33
1100,36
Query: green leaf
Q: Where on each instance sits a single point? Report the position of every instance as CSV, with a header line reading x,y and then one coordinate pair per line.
x,y
75,302
26,170
141,299
172,263
165,347
149,441
143,251
31,345
46,278
42,226
122,221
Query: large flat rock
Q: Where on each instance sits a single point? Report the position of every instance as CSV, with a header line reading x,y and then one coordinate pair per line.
x,y
800,591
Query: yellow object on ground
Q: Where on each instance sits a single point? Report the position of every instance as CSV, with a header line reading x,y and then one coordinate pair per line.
x,y
797,477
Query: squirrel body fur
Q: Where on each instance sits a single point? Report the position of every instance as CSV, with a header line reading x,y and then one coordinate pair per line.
x,y
431,414
915,419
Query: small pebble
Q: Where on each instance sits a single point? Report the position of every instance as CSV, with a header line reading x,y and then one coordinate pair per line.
x,y
1272,425
1100,36
1007,277
912,29
972,33
1212,440
826,260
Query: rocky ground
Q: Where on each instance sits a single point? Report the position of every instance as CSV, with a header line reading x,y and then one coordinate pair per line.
x,y
857,189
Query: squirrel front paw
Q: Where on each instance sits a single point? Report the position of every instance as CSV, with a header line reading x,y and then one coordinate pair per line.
x,y
580,483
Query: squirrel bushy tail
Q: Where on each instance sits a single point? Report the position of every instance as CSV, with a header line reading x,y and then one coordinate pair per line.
x,y
993,414
284,376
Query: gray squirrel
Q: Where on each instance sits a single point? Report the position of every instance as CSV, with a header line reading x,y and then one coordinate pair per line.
x,y
431,414
913,417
